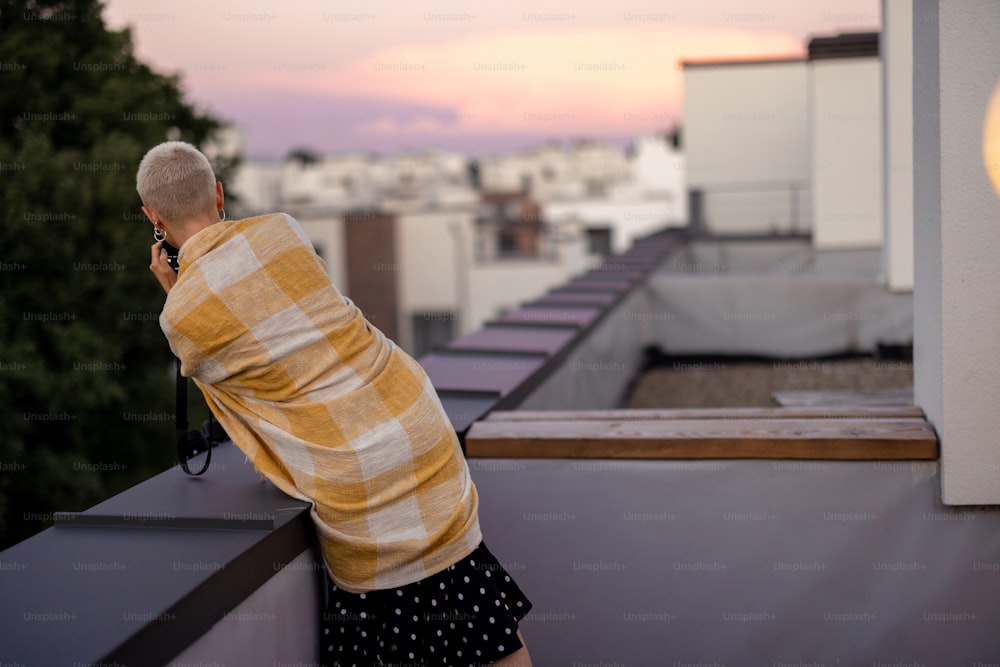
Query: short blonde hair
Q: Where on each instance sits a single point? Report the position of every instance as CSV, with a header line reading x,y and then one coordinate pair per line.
x,y
176,180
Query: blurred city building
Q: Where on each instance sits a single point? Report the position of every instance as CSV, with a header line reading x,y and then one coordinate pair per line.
x,y
453,243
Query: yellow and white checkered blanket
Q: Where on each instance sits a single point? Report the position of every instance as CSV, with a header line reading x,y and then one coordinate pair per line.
x,y
324,405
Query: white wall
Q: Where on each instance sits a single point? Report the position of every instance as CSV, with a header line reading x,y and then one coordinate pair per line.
x,y
439,271
557,171
257,189
746,128
506,284
651,198
957,241
897,73
847,153
658,168
327,232
436,275
428,246
628,220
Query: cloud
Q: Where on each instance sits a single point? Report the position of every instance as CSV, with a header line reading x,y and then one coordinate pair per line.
x,y
274,121
582,80
418,125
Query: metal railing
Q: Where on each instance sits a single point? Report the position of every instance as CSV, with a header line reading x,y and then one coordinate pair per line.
x,y
782,207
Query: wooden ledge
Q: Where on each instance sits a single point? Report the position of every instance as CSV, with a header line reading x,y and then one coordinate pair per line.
x,y
749,433
797,412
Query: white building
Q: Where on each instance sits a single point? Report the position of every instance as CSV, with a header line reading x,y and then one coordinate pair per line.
x,y
256,186
651,197
746,141
448,279
789,145
846,142
554,171
363,180
461,255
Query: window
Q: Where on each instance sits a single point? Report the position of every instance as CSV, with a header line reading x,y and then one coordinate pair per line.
x,y
499,239
507,241
432,330
599,241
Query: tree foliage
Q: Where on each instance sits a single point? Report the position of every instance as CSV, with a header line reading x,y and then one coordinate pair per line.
x,y
85,373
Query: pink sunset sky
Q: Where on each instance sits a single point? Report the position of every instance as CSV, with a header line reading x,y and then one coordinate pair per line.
x,y
384,76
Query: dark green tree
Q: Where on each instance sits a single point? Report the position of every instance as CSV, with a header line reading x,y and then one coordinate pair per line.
x,y
85,373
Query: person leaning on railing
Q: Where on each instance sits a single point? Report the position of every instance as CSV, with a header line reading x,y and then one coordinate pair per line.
x,y
333,412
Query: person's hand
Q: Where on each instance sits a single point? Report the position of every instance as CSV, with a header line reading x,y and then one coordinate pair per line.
x,y
161,267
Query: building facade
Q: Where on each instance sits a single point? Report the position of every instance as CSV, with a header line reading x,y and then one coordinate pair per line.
x,y
789,145
431,247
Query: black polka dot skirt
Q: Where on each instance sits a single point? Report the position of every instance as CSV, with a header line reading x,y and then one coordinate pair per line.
x,y
465,615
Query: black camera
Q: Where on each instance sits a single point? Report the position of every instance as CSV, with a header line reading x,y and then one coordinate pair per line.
x,y
172,256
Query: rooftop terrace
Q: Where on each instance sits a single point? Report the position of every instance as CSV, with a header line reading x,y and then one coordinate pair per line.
x,y
800,533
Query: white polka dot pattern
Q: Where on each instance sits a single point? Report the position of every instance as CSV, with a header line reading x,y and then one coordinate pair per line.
x,y
394,627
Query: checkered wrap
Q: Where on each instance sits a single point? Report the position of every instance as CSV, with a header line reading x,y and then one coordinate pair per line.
x,y
322,403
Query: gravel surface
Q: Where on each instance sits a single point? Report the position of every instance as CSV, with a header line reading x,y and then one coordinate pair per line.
x,y
682,383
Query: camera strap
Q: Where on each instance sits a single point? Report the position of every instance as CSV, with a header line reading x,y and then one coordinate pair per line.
x,y
188,442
